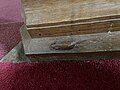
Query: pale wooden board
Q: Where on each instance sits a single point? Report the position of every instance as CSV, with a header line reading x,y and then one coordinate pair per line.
x,y
109,41
75,29
85,43
46,18
102,46
16,55
53,11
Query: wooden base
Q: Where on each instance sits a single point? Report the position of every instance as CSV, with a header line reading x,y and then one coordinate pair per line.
x,y
111,55
87,27
101,42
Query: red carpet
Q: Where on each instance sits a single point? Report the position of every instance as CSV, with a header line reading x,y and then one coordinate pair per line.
x,y
10,22
102,75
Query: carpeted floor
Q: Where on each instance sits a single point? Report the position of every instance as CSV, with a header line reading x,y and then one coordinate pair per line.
x,y
10,22
95,75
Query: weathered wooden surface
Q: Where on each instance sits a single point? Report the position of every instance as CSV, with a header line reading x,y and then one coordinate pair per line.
x,y
17,55
52,22
52,11
76,56
85,43
65,17
102,46
75,29
101,42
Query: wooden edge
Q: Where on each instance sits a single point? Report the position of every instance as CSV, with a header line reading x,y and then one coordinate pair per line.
x,y
76,29
26,38
107,55
81,43
75,21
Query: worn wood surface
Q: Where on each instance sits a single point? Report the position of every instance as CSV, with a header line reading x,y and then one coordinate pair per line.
x,y
75,29
109,41
52,22
82,43
53,11
110,55
17,55
102,46
65,17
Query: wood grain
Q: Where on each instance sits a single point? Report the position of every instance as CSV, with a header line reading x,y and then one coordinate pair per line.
x,y
75,29
53,11
83,43
108,55
46,18
101,46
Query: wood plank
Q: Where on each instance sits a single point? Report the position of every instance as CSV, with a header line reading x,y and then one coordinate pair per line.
x,y
108,55
82,43
53,11
76,28
46,18
102,46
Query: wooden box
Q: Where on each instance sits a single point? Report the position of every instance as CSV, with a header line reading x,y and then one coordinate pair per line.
x,y
71,26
